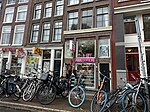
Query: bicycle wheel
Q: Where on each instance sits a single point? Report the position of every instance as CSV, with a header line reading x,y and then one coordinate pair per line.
x,y
76,96
46,94
29,92
98,104
130,104
65,90
16,93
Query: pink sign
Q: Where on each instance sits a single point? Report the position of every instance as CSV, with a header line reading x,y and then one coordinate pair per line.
x,y
86,59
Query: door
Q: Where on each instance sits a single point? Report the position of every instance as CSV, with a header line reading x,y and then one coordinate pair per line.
x,y
132,61
104,69
4,62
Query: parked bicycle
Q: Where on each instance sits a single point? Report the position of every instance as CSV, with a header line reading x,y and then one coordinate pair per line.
x,y
8,85
137,98
77,94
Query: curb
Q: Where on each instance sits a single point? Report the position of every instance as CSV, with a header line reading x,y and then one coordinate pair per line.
x,y
31,108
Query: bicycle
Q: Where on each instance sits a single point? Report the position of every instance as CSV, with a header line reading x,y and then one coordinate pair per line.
x,y
100,97
136,98
77,94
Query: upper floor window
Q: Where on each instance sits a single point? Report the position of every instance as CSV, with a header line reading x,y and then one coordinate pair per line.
x,y
73,2
129,25
45,32
22,12
73,21
11,1
86,1
19,33
9,14
102,17
5,36
20,1
48,9
35,33
37,11
59,7
86,19
57,31
146,20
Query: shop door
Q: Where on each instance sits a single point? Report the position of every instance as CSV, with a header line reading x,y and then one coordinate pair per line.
x,y
132,61
104,69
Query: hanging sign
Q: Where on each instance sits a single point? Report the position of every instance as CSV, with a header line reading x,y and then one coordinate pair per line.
x,y
20,53
36,50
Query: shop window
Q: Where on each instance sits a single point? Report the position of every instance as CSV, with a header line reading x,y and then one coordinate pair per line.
x,y
69,49
32,61
129,25
46,60
73,21
16,64
146,20
104,48
86,48
87,70
87,19
102,17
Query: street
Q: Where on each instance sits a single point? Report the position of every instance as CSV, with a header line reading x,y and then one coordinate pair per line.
x,y
5,109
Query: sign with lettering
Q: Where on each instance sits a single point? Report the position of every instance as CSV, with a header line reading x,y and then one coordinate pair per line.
x,y
86,59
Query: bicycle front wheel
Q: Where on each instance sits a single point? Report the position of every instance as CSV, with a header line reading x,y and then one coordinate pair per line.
x,y
76,96
130,104
99,101
46,94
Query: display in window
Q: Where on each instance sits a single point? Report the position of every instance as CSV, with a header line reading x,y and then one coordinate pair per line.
x,y
104,51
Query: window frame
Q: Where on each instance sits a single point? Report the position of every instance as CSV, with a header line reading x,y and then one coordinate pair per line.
x,y
73,18
43,29
75,3
8,33
146,29
11,3
14,37
59,6
22,11
37,8
59,22
10,12
31,39
47,8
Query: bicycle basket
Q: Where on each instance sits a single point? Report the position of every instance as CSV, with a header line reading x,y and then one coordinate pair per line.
x,y
43,76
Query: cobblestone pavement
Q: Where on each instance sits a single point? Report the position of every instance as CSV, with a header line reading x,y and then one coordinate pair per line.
x,y
59,105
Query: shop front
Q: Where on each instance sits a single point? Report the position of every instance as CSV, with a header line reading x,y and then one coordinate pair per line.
x,y
88,56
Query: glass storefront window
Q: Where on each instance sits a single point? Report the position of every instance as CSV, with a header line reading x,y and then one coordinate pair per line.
x,y
86,48
104,48
68,49
32,61
86,69
46,60
16,64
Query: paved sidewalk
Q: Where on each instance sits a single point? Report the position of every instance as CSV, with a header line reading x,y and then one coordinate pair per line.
x,y
59,105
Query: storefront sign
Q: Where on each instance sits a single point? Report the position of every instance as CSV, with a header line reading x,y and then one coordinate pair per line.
x,y
20,53
86,59
11,49
37,51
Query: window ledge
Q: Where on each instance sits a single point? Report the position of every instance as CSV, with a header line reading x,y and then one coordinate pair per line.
x,y
120,1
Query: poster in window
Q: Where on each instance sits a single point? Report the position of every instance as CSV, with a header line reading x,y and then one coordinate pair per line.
x,y
104,52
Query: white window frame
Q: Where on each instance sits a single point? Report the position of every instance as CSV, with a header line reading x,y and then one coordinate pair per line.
x,y
11,3
14,38
59,5
54,31
37,7
48,7
86,1
10,11
74,2
43,32
23,1
7,33
22,11
31,39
